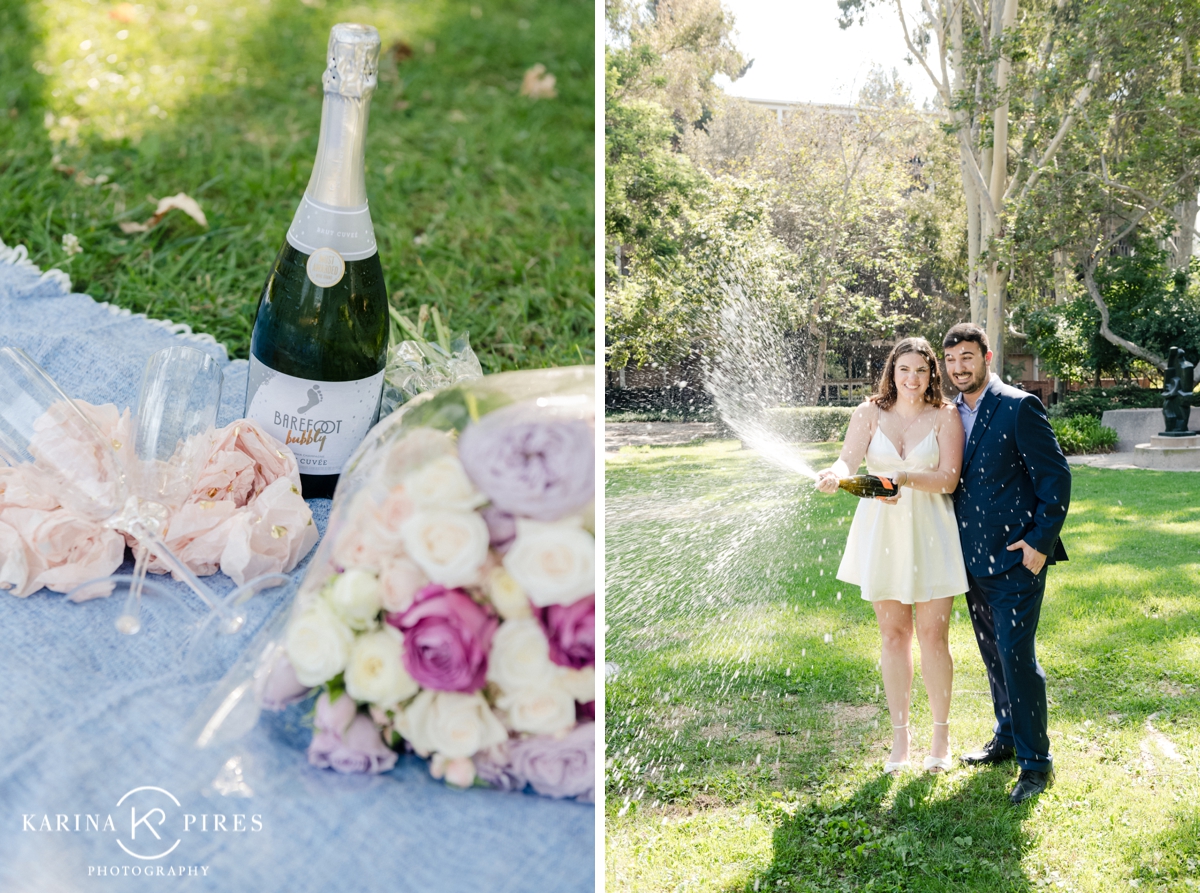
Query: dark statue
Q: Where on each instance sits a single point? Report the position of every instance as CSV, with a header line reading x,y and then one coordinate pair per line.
x,y
1178,381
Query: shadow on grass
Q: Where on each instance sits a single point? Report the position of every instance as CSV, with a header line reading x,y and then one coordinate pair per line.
x,y
922,833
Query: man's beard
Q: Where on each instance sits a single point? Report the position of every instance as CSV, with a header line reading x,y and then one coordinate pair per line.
x,y
977,381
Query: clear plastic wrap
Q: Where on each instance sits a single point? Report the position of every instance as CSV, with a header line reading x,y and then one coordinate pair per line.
x,y
450,608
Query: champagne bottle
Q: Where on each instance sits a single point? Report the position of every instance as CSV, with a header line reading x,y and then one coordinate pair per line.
x,y
868,486
319,344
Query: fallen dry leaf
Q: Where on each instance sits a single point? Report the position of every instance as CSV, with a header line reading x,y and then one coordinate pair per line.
x,y
401,51
537,84
182,202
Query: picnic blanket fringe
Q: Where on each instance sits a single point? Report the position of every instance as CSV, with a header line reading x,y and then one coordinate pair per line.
x,y
19,257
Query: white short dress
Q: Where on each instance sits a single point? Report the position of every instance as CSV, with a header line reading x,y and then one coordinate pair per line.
x,y
908,552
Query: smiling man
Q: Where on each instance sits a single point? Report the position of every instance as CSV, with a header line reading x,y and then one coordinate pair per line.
x,y
1011,502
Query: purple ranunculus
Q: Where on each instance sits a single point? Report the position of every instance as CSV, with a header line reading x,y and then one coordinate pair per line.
x,y
347,741
494,766
502,528
446,639
571,630
559,766
530,463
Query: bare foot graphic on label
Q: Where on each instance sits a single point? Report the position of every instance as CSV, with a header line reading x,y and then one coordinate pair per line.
x,y
314,397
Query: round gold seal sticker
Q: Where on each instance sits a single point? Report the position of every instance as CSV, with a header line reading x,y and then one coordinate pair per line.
x,y
326,267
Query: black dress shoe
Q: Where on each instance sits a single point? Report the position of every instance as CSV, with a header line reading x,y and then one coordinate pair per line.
x,y
991,753
1030,784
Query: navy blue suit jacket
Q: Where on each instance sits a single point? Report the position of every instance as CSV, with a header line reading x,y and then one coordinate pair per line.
x,y
1015,483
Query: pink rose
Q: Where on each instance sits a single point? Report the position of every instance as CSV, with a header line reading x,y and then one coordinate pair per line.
x,y
558,766
571,630
196,534
19,566
402,580
270,535
74,550
228,476
245,460
347,741
27,486
446,639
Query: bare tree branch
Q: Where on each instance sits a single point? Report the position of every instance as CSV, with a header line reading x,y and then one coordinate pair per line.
x,y
943,89
1081,96
1089,280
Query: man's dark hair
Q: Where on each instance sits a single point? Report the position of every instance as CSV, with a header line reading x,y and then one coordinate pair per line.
x,y
966,331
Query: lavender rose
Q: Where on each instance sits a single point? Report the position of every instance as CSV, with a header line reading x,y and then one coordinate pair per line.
x,y
571,631
529,464
502,528
558,766
494,766
347,741
281,686
446,639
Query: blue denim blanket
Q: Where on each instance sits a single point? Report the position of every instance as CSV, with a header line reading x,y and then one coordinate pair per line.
x,y
88,715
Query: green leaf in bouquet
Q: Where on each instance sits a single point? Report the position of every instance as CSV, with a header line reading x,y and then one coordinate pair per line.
x,y
336,687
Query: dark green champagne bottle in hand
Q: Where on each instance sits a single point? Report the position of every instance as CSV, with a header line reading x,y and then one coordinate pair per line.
x,y
319,345
868,486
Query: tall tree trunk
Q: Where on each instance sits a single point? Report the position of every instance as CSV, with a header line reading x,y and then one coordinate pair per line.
x,y
1185,234
1004,16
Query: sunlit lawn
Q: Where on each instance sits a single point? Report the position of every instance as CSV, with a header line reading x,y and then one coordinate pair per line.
x,y
482,198
747,728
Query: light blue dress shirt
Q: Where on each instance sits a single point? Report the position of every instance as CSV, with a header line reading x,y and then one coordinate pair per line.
x,y
967,414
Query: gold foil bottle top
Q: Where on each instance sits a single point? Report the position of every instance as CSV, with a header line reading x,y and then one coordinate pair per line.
x,y
353,60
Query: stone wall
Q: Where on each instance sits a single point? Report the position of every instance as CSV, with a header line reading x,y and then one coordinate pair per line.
x,y
1134,426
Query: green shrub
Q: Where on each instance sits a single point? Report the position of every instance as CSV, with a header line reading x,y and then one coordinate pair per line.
x,y
1083,434
1094,401
811,424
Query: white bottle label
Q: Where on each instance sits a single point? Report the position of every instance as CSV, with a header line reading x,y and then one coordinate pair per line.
x,y
322,422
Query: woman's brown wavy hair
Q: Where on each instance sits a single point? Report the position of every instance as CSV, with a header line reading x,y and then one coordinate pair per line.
x,y
885,395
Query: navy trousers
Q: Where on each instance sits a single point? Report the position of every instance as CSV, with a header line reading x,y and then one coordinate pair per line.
x,y
1004,611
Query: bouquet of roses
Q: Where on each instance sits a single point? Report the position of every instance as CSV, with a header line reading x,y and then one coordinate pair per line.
x,y
451,605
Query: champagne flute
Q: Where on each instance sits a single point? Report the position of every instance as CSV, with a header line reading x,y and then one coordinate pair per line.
x,y
42,426
176,416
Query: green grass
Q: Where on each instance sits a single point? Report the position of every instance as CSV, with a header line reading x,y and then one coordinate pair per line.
x,y
482,199
746,729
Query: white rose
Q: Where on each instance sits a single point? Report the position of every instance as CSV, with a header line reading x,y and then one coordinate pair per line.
x,y
375,673
355,597
402,580
450,723
554,563
507,596
443,484
448,546
318,644
580,684
541,710
520,657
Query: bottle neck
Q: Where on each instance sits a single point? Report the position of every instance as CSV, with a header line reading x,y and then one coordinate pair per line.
x,y
333,213
338,177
